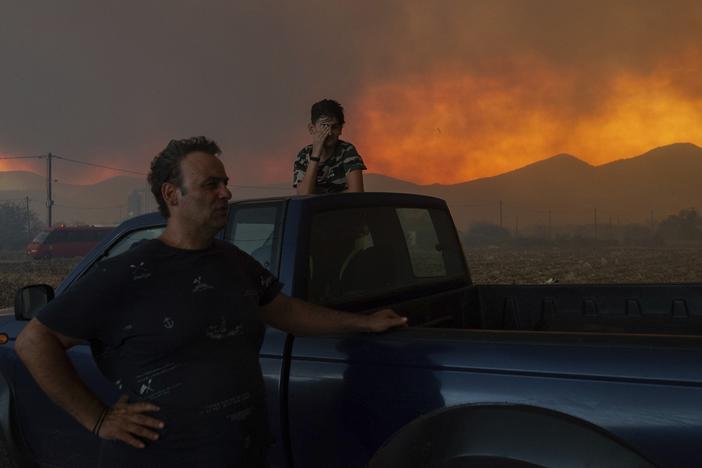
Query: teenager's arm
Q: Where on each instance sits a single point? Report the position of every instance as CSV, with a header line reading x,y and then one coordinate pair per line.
x,y
354,179
308,183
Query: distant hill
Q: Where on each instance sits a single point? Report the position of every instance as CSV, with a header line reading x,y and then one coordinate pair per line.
x,y
101,203
659,182
382,183
21,180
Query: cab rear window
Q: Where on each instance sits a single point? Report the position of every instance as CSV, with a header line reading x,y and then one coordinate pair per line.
x,y
358,253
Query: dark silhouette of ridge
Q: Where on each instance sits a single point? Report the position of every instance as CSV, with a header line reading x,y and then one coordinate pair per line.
x,y
660,182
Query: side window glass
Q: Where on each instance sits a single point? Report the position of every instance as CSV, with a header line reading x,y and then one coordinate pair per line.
x,y
355,252
57,237
131,239
362,253
41,237
127,242
256,231
422,242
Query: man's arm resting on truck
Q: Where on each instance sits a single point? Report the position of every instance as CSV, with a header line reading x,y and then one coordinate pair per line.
x,y
43,351
303,318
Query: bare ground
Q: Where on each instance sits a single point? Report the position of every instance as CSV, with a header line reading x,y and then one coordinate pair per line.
x,y
17,270
521,265
537,265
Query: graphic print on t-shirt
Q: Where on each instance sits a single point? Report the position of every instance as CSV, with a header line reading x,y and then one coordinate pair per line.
x,y
139,271
220,330
200,285
168,323
159,382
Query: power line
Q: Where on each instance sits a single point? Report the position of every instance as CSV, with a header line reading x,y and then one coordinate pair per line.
x,y
12,199
262,187
24,157
89,207
75,161
85,163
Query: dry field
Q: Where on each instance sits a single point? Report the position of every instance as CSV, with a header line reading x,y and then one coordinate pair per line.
x,y
16,270
616,264
487,265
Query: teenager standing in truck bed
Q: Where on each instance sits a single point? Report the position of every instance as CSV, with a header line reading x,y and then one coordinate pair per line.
x,y
329,164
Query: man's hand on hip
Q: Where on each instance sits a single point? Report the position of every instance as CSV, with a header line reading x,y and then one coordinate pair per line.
x,y
127,421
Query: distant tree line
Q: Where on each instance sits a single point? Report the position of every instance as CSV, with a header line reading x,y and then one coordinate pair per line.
x,y
18,226
684,227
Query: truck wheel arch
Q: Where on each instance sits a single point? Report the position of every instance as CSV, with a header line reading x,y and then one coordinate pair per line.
x,y
505,436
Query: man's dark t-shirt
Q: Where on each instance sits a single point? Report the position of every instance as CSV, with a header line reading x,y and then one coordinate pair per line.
x,y
182,329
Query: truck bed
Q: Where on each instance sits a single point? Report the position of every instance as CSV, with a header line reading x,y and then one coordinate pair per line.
x,y
669,309
618,308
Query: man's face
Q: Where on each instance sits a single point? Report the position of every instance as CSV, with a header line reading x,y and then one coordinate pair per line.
x,y
335,128
204,196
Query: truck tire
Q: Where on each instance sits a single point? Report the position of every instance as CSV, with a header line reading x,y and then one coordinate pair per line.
x,y
504,436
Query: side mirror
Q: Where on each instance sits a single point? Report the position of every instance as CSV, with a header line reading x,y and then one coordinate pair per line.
x,y
30,299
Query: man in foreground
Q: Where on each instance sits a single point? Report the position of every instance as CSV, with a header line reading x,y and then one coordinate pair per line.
x,y
177,323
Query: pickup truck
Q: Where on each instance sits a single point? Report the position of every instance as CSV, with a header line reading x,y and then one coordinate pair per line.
x,y
485,375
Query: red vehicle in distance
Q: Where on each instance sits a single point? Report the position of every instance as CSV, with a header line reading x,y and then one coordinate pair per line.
x,y
66,241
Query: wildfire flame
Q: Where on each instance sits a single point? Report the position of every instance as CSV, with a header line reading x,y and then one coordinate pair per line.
x,y
448,127
455,124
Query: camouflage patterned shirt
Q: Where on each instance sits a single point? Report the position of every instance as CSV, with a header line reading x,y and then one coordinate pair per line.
x,y
331,177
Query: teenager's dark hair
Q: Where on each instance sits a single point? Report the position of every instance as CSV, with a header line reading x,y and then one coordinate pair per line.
x,y
165,167
328,107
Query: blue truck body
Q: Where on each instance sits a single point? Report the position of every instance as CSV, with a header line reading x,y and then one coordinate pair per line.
x,y
485,375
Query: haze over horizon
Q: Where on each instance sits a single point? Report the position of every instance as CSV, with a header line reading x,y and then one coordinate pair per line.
x,y
113,174
434,93
562,189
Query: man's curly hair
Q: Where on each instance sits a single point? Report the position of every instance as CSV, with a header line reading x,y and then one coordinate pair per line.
x,y
165,167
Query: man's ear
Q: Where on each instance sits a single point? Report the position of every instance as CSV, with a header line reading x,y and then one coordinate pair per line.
x,y
170,193
310,128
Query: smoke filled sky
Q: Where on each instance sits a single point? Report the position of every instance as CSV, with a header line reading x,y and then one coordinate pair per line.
x,y
434,92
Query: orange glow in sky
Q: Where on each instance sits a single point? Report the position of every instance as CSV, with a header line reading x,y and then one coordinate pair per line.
x,y
450,126
18,164
447,128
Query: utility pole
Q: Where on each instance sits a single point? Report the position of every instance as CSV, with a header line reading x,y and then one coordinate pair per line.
x,y
500,213
595,223
26,199
49,200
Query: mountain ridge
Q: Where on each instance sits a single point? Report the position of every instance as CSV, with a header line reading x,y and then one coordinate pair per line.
x,y
662,180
